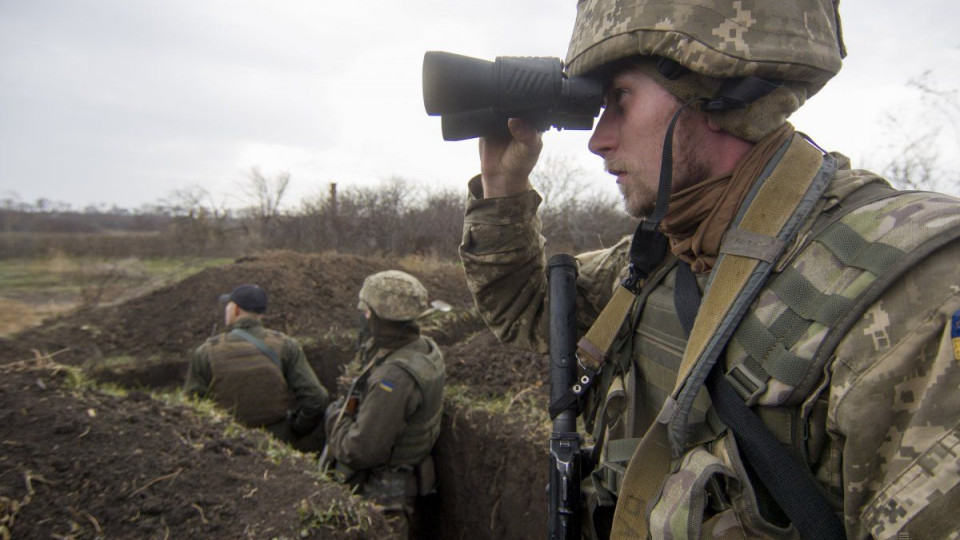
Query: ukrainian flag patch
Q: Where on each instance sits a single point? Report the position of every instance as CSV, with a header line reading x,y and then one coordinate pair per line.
x,y
386,386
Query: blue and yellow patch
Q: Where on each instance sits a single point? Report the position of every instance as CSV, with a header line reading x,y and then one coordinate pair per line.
x,y
386,386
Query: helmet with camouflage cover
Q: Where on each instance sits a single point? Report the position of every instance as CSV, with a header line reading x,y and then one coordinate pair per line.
x,y
393,295
798,44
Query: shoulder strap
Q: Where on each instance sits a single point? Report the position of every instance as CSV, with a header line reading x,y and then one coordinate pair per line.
x,y
259,344
795,180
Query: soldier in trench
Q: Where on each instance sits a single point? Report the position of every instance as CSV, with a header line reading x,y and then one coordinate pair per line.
x,y
381,434
257,374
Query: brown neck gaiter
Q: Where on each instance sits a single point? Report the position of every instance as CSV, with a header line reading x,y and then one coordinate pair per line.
x,y
701,214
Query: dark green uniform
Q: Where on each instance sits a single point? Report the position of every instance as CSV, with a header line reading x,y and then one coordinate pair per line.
x,y
396,422
240,378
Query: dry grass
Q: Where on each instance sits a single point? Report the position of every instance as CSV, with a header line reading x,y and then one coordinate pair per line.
x,y
32,290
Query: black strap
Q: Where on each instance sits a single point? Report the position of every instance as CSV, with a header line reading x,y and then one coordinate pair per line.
x,y
792,488
686,296
258,343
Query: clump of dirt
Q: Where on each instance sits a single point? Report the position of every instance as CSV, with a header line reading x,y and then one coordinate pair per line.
x,y
80,463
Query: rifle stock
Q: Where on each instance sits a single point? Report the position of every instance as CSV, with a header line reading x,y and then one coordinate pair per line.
x,y
565,457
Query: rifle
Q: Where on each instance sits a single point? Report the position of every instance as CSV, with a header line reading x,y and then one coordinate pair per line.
x,y
565,456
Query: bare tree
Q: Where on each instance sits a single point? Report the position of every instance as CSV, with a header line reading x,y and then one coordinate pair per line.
x,y
265,194
916,154
558,178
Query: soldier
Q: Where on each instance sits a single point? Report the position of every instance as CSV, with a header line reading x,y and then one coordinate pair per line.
x,y
252,372
769,356
381,436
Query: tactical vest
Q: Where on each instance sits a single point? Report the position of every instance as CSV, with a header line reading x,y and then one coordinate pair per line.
x,y
423,361
843,259
247,382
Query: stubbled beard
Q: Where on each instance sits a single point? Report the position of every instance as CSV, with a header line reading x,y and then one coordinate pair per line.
x,y
639,198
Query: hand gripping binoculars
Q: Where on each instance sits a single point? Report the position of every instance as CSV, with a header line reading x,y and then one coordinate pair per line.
x,y
475,98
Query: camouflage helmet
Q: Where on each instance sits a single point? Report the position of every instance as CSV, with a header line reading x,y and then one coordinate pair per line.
x,y
798,43
393,295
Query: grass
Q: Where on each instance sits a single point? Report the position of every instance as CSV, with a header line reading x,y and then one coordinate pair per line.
x,y
520,406
34,289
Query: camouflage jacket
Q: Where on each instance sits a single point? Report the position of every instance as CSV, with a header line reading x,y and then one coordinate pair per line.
x,y
396,421
248,388
882,425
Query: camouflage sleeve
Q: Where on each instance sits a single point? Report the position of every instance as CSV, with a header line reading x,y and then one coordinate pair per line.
x,y
895,408
198,374
312,397
366,441
503,257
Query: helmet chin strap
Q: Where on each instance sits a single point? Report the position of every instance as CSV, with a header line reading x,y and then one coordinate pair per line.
x,y
665,186
649,245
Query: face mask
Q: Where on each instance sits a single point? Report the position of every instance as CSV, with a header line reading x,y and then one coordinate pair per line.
x,y
365,331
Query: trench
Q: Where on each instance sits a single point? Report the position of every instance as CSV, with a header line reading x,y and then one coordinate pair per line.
x,y
492,470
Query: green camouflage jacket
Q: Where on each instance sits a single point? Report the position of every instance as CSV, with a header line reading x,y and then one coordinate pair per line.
x,y
882,423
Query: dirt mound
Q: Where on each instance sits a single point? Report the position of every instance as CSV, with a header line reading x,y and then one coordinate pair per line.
x,y
310,295
492,369
80,463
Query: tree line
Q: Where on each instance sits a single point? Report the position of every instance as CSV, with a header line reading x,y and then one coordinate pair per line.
x,y
397,217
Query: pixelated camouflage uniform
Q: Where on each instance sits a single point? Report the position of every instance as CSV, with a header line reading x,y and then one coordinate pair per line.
x,y
240,378
879,424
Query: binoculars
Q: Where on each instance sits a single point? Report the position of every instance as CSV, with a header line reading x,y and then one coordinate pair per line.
x,y
475,98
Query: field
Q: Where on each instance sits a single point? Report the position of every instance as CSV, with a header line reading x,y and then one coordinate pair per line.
x,y
32,290
98,442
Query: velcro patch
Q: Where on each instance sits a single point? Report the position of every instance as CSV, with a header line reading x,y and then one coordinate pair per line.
x,y
386,386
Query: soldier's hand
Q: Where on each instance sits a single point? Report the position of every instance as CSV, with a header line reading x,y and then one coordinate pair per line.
x,y
505,164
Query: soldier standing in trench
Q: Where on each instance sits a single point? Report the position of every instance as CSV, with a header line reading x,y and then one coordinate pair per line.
x,y
253,372
775,313
380,436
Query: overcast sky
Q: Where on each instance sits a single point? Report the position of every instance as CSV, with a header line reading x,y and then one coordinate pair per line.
x,y
124,101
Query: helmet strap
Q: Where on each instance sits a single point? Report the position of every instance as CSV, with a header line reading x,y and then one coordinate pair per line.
x,y
738,92
665,186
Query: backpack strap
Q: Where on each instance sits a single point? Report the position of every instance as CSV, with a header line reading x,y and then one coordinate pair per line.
x,y
259,344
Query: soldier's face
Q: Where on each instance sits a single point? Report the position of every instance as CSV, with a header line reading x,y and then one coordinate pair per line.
x,y
629,138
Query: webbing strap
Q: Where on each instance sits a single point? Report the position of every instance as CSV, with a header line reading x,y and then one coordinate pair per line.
x,y
258,343
853,250
795,182
596,343
621,450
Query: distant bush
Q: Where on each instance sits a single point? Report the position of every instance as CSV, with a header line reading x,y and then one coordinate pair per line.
x,y
395,218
